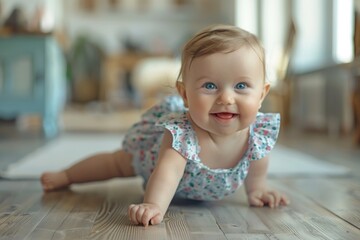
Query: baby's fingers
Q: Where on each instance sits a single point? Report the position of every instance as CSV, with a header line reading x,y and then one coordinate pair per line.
x,y
132,212
135,213
274,199
284,200
156,219
148,216
270,199
144,214
255,200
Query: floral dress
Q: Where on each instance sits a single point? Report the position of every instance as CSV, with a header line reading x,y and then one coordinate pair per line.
x,y
199,182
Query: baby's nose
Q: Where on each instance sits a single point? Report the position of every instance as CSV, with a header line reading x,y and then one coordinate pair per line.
x,y
226,98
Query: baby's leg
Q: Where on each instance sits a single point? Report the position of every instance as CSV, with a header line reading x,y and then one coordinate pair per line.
x,y
95,168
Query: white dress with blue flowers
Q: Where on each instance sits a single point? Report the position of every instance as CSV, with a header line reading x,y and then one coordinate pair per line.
x,y
199,182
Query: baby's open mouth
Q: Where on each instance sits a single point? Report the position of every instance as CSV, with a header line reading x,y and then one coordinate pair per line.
x,y
224,115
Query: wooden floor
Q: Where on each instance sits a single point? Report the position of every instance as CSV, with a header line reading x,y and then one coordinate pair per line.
x,y
321,207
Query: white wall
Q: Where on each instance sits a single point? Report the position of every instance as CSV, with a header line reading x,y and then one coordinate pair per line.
x,y
313,47
246,15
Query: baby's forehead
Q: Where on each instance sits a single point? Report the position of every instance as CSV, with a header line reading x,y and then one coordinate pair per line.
x,y
243,60
244,50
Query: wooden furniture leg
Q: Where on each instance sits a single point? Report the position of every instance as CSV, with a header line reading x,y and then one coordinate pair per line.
x,y
356,105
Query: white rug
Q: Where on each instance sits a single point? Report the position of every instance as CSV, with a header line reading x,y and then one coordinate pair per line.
x,y
69,148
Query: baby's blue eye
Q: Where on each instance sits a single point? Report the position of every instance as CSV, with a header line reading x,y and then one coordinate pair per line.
x,y
209,85
241,85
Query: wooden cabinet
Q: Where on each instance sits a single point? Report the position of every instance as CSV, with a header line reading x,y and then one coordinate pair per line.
x,y
32,79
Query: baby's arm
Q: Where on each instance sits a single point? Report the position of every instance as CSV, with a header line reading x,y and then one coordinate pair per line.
x,y
256,187
161,186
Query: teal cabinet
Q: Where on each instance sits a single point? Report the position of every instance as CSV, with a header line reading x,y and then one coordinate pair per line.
x,y
32,79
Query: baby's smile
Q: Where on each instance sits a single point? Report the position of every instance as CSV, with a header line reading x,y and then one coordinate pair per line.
x,y
224,116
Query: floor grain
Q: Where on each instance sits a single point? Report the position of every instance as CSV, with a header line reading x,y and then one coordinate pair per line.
x,y
322,207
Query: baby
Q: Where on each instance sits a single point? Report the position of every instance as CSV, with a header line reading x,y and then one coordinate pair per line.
x,y
203,144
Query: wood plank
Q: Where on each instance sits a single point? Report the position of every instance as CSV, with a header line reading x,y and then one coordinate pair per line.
x,y
176,225
112,221
244,236
16,213
233,215
345,203
26,210
81,218
302,218
264,223
48,227
35,215
238,219
99,211
6,201
208,236
201,223
309,219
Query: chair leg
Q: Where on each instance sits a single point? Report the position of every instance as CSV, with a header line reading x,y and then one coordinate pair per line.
x,y
356,105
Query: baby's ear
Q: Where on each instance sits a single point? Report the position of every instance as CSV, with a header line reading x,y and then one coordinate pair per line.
x,y
265,92
181,89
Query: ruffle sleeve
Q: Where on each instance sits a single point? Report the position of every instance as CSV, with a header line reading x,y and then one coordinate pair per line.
x,y
264,134
184,139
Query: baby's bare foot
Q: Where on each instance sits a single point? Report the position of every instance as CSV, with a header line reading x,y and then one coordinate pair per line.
x,y
54,180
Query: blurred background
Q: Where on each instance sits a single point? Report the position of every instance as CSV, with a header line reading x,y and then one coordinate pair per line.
x,y
96,65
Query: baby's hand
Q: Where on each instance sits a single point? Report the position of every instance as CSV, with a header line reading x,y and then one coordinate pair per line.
x,y
145,213
272,199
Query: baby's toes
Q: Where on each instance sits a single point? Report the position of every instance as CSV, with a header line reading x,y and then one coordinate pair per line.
x,y
46,182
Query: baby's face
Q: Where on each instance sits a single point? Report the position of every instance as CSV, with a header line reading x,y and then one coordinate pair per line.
x,y
224,91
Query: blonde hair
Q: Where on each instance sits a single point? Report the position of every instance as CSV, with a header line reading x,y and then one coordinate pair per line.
x,y
219,39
